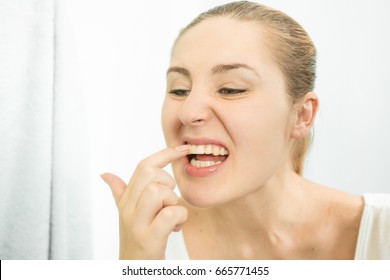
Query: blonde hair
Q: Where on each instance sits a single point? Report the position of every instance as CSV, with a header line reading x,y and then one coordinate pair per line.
x,y
292,47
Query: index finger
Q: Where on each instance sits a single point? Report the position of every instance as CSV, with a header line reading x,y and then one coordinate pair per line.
x,y
166,156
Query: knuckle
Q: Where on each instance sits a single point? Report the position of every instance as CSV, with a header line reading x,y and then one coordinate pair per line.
x,y
168,214
171,182
183,211
154,190
144,171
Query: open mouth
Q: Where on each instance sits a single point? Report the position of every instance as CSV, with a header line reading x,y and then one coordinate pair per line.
x,y
207,155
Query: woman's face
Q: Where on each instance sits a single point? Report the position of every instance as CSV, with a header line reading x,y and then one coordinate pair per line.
x,y
225,96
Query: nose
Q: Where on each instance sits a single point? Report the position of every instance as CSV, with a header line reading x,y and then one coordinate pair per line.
x,y
196,109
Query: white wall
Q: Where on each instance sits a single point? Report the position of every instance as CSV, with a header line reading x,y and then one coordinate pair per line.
x,y
123,53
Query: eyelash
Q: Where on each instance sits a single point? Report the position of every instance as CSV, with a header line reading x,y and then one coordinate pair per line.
x,y
179,92
222,91
231,91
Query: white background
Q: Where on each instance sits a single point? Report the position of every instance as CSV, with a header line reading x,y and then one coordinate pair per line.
x,y
123,51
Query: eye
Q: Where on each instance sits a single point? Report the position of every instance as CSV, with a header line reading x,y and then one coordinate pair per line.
x,y
179,92
231,91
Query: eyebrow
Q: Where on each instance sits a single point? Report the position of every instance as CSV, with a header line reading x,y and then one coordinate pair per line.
x,y
179,70
217,69
223,68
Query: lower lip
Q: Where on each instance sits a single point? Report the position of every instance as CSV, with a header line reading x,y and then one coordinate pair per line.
x,y
203,171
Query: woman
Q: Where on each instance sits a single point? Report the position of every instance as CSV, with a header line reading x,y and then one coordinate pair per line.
x,y
237,118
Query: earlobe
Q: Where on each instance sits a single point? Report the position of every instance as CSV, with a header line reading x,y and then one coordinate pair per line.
x,y
305,111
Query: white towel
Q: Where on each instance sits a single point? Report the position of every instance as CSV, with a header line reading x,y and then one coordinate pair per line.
x,y
44,193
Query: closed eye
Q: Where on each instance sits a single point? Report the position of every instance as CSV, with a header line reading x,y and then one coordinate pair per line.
x,y
179,92
231,91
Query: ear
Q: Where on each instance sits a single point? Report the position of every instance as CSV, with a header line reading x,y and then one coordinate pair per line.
x,y
304,115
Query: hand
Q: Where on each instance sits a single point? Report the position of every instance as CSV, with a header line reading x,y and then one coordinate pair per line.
x,y
148,207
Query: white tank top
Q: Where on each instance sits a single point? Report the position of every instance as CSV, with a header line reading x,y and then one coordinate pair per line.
x,y
374,232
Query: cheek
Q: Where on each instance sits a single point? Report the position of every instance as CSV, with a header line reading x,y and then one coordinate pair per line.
x,y
257,121
169,121
260,135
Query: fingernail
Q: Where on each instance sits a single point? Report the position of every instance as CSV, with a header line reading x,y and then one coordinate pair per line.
x,y
182,148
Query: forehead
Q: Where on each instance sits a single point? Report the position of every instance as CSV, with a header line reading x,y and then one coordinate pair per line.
x,y
222,40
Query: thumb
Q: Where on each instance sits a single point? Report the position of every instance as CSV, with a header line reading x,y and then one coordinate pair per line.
x,y
116,184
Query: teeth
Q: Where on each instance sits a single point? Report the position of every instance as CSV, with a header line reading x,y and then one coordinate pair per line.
x,y
208,149
216,151
200,150
200,163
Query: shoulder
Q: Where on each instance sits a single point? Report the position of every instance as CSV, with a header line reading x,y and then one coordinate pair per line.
x,y
339,214
344,210
374,233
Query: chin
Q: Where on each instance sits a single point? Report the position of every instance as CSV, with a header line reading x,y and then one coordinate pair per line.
x,y
202,195
199,201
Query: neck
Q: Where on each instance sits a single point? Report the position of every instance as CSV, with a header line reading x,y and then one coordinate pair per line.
x,y
270,210
288,217
265,222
